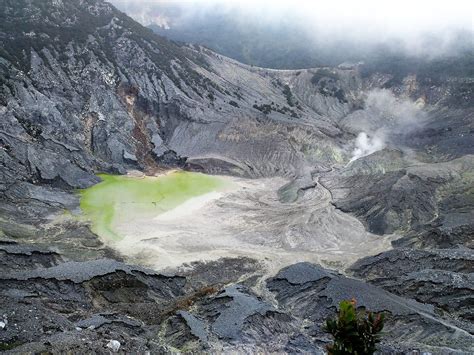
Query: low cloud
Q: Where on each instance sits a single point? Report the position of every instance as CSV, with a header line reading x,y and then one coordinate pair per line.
x,y
418,27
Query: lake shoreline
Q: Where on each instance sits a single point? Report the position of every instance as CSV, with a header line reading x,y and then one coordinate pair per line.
x,y
133,196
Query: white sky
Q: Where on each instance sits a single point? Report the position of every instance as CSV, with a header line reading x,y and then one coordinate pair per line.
x,y
359,19
394,14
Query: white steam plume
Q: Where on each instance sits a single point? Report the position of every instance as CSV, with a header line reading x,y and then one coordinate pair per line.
x,y
365,145
383,121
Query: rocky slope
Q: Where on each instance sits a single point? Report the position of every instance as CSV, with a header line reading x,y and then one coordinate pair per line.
x,y
85,89
52,305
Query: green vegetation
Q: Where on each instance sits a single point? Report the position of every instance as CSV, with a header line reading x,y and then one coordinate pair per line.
x,y
354,332
289,95
122,198
268,108
237,95
5,346
265,108
326,81
323,73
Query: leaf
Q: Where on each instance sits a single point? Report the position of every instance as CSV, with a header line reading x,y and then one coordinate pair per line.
x,y
354,332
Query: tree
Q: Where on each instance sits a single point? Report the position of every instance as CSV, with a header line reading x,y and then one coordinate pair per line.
x,y
355,332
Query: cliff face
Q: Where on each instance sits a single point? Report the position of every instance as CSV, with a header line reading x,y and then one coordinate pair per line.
x,y
85,89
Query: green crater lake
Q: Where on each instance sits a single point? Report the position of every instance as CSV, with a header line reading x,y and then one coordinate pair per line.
x,y
120,198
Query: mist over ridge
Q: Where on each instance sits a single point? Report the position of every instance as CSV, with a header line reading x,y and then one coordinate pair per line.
x,y
304,33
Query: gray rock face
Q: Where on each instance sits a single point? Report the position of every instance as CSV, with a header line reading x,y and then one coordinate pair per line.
x,y
441,277
230,321
391,195
336,288
403,260
304,296
77,272
76,306
95,106
84,89
84,104
52,307
17,257
196,326
309,292
441,236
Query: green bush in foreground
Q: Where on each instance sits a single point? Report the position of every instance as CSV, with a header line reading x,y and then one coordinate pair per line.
x,y
354,332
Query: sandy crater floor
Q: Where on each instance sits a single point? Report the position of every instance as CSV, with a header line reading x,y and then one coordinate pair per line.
x,y
248,220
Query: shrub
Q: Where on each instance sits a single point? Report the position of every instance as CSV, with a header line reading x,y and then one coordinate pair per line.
x,y
354,332
265,108
288,94
323,73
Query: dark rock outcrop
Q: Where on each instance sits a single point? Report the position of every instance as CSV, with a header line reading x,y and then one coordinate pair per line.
x,y
441,277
